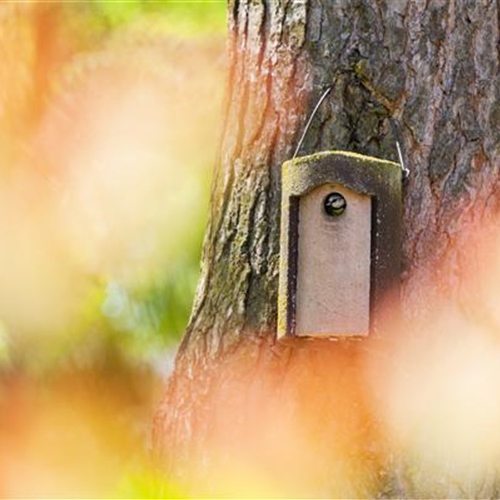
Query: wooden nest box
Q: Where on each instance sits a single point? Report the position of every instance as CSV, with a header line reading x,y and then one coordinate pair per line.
x,y
340,243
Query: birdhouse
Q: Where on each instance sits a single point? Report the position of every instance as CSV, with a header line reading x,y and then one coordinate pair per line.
x,y
340,244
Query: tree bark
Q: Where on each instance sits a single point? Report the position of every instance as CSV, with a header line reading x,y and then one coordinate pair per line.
x,y
423,72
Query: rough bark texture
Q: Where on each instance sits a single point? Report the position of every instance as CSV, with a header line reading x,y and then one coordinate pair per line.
x,y
430,65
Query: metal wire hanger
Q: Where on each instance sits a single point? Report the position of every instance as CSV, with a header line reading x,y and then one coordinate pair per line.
x,y
406,171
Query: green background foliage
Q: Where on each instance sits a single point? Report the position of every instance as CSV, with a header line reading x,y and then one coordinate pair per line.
x,y
99,364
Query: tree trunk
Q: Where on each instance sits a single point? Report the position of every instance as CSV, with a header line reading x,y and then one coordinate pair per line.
x,y
423,72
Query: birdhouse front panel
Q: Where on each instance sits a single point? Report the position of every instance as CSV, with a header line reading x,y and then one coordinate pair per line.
x,y
333,271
